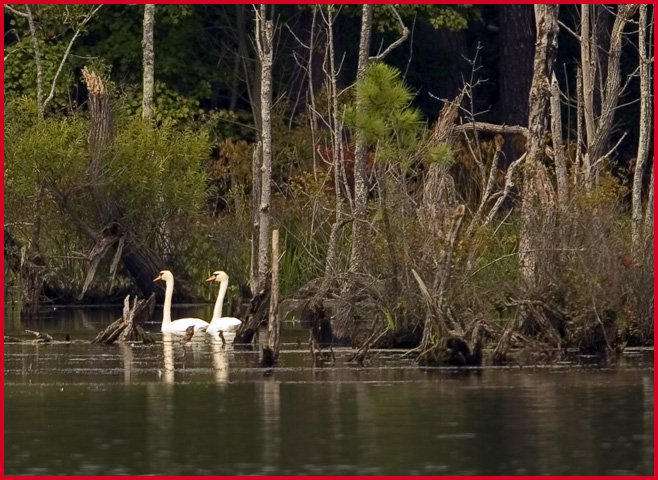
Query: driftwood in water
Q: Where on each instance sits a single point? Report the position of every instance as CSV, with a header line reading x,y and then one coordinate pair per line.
x,y
130,324
41,336
375,335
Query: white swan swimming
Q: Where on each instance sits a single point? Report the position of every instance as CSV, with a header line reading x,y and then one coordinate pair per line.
x,y
220,324
177,326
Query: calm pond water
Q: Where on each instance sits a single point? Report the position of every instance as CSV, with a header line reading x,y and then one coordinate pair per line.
x,y
75,408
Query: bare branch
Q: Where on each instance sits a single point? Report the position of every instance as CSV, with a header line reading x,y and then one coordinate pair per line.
x,y
509,183
389,49
492,128
16,12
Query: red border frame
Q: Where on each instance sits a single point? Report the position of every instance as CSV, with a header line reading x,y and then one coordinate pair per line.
x,y
2,299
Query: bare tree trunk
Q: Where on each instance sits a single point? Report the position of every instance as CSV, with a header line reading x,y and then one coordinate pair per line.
x,y
255,216
264,38
148,61
273,327
588,68
346,308
648,216
645,131
561,173
537,197
579,166
101,131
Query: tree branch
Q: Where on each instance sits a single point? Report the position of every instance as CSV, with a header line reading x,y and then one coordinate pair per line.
x,y
389,49
16,12
491,127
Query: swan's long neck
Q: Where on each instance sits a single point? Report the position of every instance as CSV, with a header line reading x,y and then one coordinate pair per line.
x,y
166,311
217,312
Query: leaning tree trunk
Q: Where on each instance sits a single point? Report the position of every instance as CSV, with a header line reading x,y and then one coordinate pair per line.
x,y
148,61
538,198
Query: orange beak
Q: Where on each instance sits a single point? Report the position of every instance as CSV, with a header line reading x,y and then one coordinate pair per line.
x,y
159,277
211,278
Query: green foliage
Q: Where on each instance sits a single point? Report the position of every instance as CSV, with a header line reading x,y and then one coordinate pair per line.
x,y
54,25
38,154
383,114
442,153
157,171
453,17
21,71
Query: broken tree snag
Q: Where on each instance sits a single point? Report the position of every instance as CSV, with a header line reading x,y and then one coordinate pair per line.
x,y
130,325
257,315
101,127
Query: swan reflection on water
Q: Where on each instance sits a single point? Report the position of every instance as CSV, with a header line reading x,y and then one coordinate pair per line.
x,y
220,354
168,351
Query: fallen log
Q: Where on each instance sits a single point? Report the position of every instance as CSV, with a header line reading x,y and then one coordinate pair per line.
x,y
41,336
130,325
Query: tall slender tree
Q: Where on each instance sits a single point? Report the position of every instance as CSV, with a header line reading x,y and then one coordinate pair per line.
x,y
645,130
148,61
264,47
345,315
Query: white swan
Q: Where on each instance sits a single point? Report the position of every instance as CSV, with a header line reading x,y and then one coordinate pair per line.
x,y
177,326
220,324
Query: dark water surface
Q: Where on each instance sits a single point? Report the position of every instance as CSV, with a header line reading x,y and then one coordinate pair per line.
x,y
76,408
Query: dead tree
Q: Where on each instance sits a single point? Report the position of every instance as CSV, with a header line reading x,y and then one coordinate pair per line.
x,y
598,129
313,316
538,198
645,132
131,323
264,47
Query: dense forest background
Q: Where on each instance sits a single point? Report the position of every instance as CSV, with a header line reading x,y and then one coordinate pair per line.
x,y
520,213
